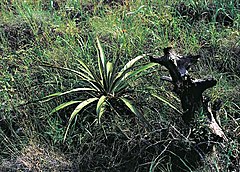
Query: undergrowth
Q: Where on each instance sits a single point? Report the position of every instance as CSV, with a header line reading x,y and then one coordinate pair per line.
x,y
33,33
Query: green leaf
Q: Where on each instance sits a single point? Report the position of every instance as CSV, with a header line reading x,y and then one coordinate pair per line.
x,y
132,62
61,106
130,105
85,75
124,71
51,96
166,102
95,80
101,55
82,63
109,74
141,69
109,69
86,69
102,64
80,74
75,112
121,83
101,107
77,90
114,74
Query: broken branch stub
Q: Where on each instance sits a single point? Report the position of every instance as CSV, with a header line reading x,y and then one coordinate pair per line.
x,y
188,89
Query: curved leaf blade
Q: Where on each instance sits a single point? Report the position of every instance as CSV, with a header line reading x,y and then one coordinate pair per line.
x,y
132,62
101,54
114,73
63,105
101,107
82,75
124,71
51,96
130,105
141,69
82,63
166,102
109,74
102,65
75,112
121,82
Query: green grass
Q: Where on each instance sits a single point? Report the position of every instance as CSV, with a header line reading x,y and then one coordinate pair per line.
x,y
33,33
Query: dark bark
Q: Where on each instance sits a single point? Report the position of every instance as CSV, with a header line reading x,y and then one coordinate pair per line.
x,y
188,89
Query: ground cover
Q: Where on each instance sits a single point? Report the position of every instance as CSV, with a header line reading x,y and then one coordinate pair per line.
x,y
35,34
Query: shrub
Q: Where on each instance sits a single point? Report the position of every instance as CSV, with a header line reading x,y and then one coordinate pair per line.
x,y
106,84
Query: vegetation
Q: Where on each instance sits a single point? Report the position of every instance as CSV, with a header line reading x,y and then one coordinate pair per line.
x,y
107,86
68,105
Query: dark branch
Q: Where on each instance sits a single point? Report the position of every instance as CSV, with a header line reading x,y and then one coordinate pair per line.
x,y
166,78
189,90
203,84
177,65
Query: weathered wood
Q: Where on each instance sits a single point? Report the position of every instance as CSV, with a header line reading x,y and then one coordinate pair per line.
x,y
188,89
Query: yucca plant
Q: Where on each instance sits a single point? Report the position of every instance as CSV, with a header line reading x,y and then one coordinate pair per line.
x,y
105,84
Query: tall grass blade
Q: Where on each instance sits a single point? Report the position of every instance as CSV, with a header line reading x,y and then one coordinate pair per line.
x,y
166,102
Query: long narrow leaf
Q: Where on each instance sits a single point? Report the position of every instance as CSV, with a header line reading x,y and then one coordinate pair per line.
x,y
121,82
101,107
102,63
141,69
51,96
90,71
130,105
75,112
85,68
109,74
166,102
61,106
101,55
132,62
87,76
101,60
114,74
124,71
80,74
82,63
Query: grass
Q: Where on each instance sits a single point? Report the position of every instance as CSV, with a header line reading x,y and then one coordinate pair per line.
x,y
33,33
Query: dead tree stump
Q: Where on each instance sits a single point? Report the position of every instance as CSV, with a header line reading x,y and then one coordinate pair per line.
x,y
188,89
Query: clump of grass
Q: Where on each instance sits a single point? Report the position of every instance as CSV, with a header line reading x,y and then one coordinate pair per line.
x,y
222,13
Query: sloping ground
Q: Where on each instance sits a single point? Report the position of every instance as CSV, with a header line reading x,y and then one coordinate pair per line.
x,y
59,32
